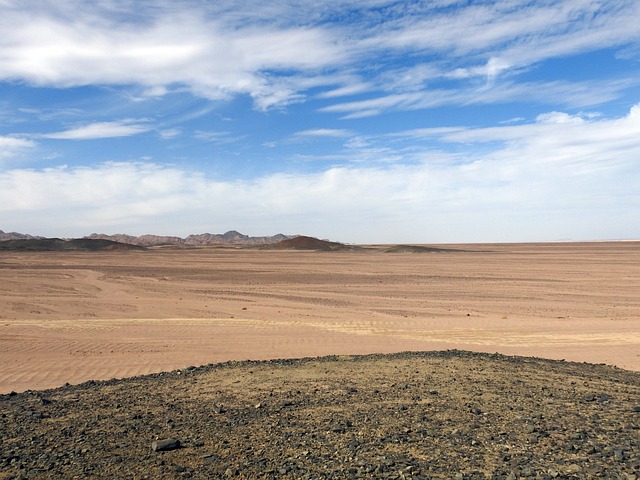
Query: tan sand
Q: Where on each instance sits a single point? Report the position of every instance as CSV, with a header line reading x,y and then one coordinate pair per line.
x,y
71,317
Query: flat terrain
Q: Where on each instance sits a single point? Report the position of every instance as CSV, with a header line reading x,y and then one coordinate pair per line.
x,y
76,316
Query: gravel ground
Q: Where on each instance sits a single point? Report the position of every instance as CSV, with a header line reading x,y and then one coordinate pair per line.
x,y
450,414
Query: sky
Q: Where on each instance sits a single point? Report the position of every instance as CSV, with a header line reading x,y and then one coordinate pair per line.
x,y
360,121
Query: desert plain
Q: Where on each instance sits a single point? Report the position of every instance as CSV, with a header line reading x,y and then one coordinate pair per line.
x,y
70,317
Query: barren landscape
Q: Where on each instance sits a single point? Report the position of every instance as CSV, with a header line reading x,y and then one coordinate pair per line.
x,y
68,317
412,416
258,409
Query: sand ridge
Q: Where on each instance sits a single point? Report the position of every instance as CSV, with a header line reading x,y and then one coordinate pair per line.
x,y
75,316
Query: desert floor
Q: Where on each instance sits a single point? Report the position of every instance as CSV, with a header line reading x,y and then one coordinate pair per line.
x,y
76,316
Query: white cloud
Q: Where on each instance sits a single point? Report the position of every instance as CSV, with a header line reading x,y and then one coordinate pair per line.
x,y
324,132
350,87
569,94
218,138
96,130
273,52
170,132
554,137
560,177
513,33
11,147
174,45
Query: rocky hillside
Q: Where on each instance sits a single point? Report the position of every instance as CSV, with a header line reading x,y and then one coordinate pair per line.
x,y
61,245
229,238
303,242
445,415
15,236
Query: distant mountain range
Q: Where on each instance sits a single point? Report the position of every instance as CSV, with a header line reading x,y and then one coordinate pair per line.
x,y
229,238
16,236
232,237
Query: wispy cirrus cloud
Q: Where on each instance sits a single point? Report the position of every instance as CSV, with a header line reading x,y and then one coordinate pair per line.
x,y
512,33
324,132
124,128
569,94
218,138
274,53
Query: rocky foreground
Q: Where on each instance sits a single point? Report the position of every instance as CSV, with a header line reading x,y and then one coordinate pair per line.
x,y
414,415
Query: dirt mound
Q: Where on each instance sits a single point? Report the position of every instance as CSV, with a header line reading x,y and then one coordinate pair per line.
x,y
450,414
60,245
307,243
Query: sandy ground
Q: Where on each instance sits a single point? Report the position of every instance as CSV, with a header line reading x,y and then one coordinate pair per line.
x,y
72,317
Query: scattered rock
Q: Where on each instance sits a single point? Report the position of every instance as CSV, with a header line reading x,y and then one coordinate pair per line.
x,y
544,421
165,445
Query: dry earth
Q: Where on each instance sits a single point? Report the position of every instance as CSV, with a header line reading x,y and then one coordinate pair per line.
x,y
73,316
76,316
450,415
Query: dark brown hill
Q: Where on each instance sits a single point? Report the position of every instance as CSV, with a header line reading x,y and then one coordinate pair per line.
x,y
60,245
307,243
444,415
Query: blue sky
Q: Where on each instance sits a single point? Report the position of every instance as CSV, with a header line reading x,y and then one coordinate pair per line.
x,y
358,121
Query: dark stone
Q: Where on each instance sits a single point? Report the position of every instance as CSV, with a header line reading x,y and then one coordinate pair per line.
x,y
619,455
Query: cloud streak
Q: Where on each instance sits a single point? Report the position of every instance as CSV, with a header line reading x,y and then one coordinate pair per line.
x,y
97,130
324,132
569,94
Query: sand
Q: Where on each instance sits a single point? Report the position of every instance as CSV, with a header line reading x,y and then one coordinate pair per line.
x,y
76,316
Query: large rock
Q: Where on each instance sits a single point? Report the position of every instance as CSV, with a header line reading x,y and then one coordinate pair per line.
x,y
165,445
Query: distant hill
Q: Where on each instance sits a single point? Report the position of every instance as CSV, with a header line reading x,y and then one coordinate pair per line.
x,y
143,240
15,236
231,237
307,243
60,245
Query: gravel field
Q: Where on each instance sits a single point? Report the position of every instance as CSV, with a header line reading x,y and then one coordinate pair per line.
x,y
450,414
